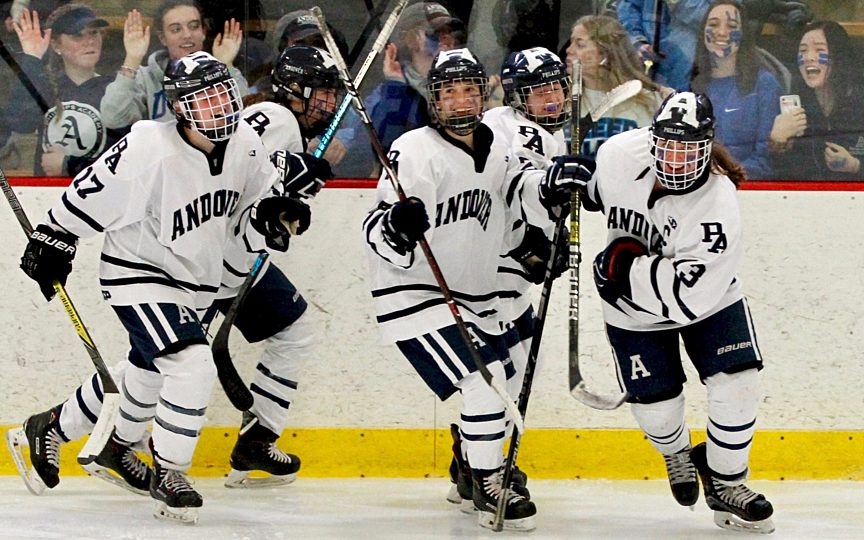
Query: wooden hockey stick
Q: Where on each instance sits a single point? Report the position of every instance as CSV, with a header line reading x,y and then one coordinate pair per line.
x,y
111,397
578,388
359,106
235,389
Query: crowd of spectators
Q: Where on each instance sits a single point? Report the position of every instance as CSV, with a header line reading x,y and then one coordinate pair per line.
x,y
67,103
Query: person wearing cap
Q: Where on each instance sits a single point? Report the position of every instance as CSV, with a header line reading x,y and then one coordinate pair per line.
x,y
399,103
61,65
136,92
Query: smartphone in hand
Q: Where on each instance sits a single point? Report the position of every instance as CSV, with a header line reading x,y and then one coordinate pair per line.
x,y
789,102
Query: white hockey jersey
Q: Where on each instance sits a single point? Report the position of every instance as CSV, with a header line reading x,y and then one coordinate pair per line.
x,y
467,195
279,130
694,238
166,211
533,145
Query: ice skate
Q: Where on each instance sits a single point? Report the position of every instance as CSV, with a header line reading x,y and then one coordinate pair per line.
x,y
176,499
518,511
41,433
682,477
256,450
118,464
736,507
461,488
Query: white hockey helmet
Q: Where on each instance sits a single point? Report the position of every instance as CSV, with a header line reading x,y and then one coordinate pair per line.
x,y
682,133
448,68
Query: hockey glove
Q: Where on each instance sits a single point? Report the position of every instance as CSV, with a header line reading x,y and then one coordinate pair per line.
x,y
48,257
277,218
563,177
533,254
612,268
303,175
404,223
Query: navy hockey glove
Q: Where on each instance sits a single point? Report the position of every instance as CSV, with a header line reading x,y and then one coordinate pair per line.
x,y
612,267
277,218
404,223
533,254
563,177
48,257
303,175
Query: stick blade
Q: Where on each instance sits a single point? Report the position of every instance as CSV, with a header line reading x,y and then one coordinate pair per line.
x,y
601,403
102,430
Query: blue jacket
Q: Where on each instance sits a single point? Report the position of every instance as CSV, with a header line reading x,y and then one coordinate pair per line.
x,y
744,122
679,32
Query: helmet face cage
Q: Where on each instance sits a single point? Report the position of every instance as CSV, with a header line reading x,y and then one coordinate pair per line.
x,y
203,95
214,111
457,69
681,139
536,84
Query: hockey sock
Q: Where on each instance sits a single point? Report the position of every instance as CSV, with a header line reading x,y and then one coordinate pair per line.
x,y
733,401
482,420
663,424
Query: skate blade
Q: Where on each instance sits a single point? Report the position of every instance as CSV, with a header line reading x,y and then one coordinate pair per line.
x,y
487,520
103,473
453,495
185,516
241,479
467,507
726,520
17,442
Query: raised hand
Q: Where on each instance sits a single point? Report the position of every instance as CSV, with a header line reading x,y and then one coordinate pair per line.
x,y
391,66
227,44
30,34
136,39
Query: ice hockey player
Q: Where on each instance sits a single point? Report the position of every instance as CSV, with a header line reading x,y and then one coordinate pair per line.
x,y
168,197
537,107
668,274
456,169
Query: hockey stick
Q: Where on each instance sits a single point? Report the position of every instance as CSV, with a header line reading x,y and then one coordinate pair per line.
x,y
111,397
509,405
578,388
236,390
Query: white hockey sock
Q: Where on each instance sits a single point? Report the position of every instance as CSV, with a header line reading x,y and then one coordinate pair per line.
x,y
733,401
81,410
663,423
139,391
276,375
188,381
482,420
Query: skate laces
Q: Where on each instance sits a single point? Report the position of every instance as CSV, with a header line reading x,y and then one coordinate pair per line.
x,y
278,454
133,464
175,481
680,467
52,443
492,486
739,496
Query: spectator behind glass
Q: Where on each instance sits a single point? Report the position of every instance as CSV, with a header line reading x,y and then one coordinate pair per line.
x,y
608,60
136,93
71,133
679,33
296,28
824,138
746,96
399,103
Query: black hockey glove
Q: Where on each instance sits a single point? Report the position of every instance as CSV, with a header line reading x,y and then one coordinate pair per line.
x,y
48,257
277,218
303,175
563,177
404,224
533,254
612,268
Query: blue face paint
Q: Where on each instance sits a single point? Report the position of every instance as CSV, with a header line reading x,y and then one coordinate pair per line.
x,y
824,59
800,59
